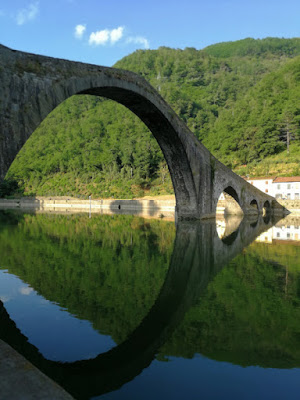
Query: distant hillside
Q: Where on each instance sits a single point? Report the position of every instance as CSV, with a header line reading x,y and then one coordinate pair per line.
x,y
259,123
240,98
281,164
255,47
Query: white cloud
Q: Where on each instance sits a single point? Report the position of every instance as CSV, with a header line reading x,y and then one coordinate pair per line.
x,y
27,14
112,36
79,31
106,36
26,290
116,34
4,298
139,40
99,37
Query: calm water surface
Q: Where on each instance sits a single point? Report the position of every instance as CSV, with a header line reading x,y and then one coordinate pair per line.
x,y
119,307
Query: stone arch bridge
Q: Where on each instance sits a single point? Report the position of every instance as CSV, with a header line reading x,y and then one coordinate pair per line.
x,y
33,85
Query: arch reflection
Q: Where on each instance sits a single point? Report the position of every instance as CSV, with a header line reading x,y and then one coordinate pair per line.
x,y
198,256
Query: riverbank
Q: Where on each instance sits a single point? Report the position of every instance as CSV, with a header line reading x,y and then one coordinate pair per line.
x,y
292,205
21,380
160,206
149,206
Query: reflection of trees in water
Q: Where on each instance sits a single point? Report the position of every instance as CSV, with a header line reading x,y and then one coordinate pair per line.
x,y
246,316
230,320
100,269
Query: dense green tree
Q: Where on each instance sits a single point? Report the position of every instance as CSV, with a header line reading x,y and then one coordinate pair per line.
x,y
289,127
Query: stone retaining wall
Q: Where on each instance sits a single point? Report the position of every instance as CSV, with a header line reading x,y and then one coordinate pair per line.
x,y
292,205
140,207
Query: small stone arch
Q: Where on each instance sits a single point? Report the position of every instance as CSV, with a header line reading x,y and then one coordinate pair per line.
x,y
229,202
254,223
266,208
266,212
254,206
230,239
232,192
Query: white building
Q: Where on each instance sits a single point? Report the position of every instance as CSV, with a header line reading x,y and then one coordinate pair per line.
x,y
264,184
287,188
278,187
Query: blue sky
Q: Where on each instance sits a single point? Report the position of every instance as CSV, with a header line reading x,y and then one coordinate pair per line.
x,y
103,31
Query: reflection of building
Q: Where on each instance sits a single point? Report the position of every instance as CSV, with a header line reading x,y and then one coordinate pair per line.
x,y
279,187
288,232
281,232
221,227
266,237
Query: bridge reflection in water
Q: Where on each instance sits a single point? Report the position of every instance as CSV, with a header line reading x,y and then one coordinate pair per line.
x,y
198,255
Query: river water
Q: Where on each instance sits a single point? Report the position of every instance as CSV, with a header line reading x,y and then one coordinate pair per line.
x,y
121,307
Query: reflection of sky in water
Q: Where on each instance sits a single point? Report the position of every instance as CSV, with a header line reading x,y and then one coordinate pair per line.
x,y
48,326
60,336
202,378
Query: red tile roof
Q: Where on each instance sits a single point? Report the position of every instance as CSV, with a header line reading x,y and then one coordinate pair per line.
x,y
287,179
260,178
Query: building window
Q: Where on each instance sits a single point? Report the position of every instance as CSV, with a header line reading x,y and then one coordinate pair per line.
x,y
289,186
278,186
296,226
278,196
297,196
278,234
288,235
288,196
267,182
251,183
266,190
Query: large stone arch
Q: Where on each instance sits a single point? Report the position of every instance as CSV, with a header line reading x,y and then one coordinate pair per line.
x,y
33,85
39,95
164,129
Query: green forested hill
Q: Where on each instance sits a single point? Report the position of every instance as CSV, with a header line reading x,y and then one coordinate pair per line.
x,y
239,98
256,126
255,47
